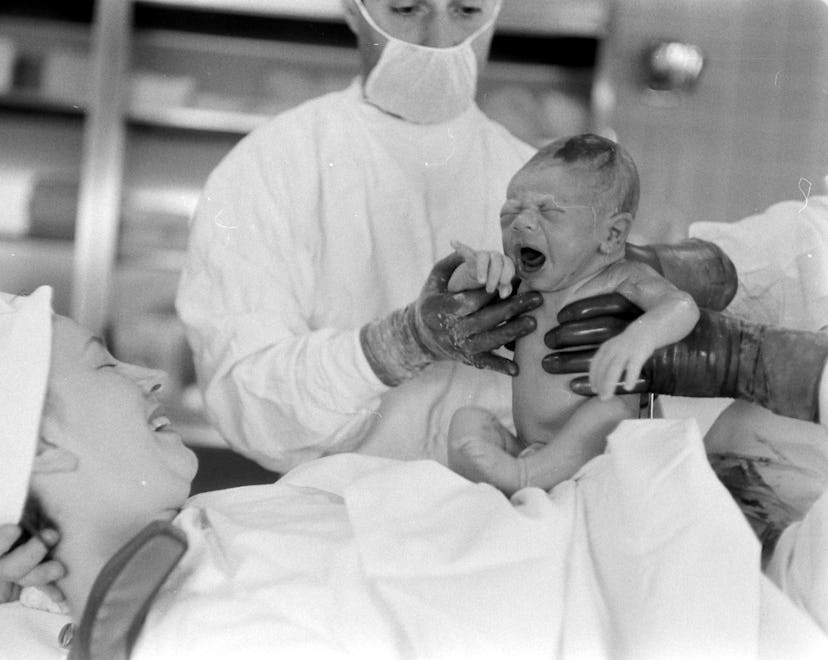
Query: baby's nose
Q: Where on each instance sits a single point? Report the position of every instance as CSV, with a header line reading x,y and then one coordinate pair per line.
x,y
525,221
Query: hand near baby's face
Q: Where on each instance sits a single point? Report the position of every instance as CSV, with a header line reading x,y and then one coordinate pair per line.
x,y
482,268
24,566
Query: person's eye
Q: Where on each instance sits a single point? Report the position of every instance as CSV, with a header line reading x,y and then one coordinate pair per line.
x,y
107,365
469,11
406,9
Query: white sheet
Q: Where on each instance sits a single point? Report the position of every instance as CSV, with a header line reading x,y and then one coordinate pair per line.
x,y
642,555
30,634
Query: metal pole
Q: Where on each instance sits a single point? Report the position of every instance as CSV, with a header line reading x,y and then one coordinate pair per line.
x,y
99,204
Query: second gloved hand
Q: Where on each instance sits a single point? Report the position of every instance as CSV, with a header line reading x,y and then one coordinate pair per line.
x,y
466,326
723,356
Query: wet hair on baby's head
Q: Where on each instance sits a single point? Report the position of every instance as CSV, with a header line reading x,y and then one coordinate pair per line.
x,y
606,159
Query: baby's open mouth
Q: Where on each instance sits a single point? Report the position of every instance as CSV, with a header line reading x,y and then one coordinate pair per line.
x,y
531,260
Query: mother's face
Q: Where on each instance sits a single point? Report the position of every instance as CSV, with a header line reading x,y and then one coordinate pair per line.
x,y
106,413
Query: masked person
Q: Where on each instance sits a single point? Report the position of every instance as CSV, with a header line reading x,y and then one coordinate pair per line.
x,y
301,293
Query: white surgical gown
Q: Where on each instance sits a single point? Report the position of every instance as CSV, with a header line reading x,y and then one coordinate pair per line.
x,y
327,217
781,257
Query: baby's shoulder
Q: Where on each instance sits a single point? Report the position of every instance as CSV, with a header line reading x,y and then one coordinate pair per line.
x,y
624,269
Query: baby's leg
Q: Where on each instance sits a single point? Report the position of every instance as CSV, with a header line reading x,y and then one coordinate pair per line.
x,y
481,449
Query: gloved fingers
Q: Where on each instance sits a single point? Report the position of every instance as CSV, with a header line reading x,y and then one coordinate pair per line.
x,y
568,362
441,272
490,340
490,317
444,306
581,386
496,363
581,333
607,304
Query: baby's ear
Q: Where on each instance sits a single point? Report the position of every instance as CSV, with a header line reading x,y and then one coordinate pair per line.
x,y
617,230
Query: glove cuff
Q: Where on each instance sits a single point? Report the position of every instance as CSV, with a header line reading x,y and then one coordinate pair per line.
x,y
392,347
698,267
781,370
776,368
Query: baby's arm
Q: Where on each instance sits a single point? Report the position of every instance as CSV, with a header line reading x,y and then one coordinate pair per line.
x,y
482,268
669,315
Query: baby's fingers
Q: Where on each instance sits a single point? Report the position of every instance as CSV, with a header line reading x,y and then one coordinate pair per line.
x,y
496,268
633,372
608,377
506,276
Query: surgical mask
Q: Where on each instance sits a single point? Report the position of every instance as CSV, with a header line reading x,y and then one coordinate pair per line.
x,y
422,84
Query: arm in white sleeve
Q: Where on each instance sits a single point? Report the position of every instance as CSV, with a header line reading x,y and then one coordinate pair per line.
x,y
278,389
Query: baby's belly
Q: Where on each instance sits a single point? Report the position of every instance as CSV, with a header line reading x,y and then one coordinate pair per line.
x,y
541,404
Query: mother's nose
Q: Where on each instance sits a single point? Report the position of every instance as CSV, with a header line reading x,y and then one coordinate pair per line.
x,y
152,381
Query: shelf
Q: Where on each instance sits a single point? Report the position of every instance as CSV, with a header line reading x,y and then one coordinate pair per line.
x,y
30,102
198,120
575,17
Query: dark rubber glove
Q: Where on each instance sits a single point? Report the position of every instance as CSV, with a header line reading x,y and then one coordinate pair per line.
x,y
698,267
773,367
466,326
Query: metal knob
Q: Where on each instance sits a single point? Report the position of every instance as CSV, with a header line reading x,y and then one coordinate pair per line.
x,y
672,66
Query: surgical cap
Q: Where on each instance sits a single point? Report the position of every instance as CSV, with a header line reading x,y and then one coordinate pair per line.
x,y
25,349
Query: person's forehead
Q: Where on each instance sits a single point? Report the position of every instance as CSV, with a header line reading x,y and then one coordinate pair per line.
x,y
554,178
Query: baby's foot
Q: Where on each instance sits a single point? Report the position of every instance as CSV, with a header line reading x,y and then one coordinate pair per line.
x,y
481,461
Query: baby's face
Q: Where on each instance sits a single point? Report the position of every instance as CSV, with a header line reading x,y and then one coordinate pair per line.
x,y
552,225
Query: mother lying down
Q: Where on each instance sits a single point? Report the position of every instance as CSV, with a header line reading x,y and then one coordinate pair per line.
x,y
359,556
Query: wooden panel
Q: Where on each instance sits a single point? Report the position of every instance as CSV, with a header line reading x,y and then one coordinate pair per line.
x,y
754,131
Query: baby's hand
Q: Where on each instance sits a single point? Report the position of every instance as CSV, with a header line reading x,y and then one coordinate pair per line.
x,y
624,354
482,268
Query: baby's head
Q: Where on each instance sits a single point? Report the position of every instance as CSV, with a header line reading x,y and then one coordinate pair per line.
x,y
568,211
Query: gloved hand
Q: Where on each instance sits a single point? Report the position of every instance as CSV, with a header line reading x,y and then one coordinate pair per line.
x,y
722,356
24,566
698,267
439,325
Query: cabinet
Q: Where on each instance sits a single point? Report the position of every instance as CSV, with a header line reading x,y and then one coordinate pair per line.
x,y
131,104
